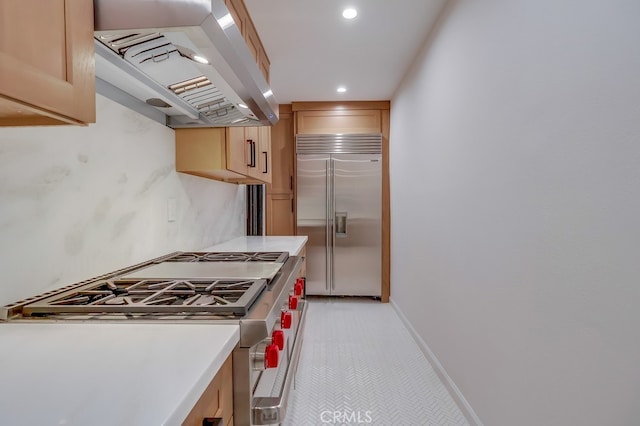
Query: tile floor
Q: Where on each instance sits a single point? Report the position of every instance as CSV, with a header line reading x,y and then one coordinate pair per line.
x,y
360,366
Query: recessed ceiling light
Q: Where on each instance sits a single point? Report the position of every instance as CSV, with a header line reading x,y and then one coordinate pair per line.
x,y
349,13
341,89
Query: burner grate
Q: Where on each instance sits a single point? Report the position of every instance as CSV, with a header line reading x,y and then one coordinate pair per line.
x,y
131,296
280,257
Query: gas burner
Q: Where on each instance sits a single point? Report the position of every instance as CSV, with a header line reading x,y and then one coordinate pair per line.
x,y
129,296
279,257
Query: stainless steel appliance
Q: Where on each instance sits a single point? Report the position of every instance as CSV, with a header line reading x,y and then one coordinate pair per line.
x,y
339,193
261,292
183,63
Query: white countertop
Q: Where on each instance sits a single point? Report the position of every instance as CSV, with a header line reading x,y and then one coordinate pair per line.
x,y
293,245
107,373
98,373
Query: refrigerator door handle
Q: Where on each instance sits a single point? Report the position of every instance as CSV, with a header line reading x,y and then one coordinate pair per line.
x,y
329,235
332,171
341,224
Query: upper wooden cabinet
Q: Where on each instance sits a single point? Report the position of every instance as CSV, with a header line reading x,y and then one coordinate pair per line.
x,y
47,69
232,154
239,14
243,20
360,121
347,117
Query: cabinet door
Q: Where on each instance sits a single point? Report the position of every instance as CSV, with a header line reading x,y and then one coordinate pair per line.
x,y
238,150
217,399
257,49
280,214
264,154
47,68
252,138
264,64
253,42
339,121
282,148
239,14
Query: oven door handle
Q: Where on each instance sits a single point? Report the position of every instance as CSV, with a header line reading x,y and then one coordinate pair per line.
x,y
272,410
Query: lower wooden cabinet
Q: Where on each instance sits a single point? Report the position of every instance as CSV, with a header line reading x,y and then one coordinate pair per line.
x,y
217,400
280,218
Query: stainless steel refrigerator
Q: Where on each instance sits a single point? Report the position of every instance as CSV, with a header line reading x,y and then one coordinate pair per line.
x,y
339,200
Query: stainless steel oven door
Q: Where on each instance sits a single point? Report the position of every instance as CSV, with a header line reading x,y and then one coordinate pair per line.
x,y
269,400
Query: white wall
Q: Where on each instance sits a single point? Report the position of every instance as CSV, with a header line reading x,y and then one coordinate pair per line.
x,y
515,193
76,202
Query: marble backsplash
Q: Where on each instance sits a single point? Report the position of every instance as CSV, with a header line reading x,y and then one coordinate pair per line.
x,y
76,202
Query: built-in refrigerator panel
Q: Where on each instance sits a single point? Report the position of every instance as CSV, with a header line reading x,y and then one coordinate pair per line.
x,y
312,189
339,193
357,238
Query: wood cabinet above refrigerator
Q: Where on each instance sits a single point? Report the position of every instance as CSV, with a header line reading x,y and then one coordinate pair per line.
x,y
232,154
47,71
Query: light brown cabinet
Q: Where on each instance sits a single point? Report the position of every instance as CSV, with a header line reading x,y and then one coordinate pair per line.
x,y
282,153
280,198
339,121
47,68
217,399
239,14
232,154
279,214
248,30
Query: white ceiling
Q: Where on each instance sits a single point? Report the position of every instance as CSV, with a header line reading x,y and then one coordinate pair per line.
x,y
313,49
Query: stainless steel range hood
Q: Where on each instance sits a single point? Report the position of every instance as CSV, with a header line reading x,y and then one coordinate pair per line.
x,y
181,62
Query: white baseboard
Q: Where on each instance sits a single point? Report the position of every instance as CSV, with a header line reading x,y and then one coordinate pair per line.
x,y
456,394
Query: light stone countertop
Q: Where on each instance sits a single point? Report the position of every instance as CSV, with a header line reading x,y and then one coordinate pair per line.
x,y
99,373
291,244
107,373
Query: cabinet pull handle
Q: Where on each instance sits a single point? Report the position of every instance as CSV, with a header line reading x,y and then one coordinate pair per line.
x,y
291,182
266,158
252,153
250,142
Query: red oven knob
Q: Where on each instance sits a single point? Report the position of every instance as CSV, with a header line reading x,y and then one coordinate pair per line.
x,y
285,319
293,303
271,356
298,288
277,337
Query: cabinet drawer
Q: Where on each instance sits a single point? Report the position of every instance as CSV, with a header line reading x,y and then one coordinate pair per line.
x,y
217,399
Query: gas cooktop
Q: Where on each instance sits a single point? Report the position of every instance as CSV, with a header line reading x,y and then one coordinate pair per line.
x,y
194,284
279,257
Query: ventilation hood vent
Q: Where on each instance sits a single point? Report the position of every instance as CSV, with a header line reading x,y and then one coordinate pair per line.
x,y
184,63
